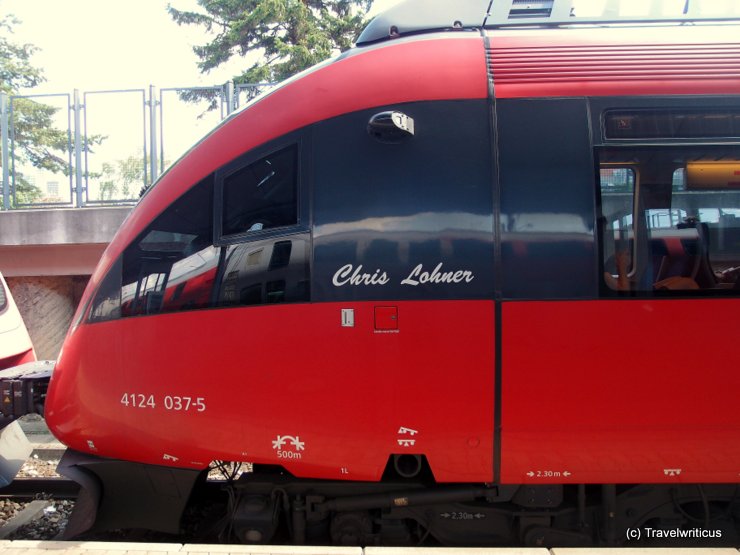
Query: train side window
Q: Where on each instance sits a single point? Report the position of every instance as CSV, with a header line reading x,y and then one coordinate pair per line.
x,y
671,219
617,190
262,195
106,304
170,267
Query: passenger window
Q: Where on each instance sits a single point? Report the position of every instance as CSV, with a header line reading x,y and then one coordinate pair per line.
x,y
617,190
262,195
671,218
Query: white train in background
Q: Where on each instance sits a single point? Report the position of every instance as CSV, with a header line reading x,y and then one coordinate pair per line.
x,y
15,343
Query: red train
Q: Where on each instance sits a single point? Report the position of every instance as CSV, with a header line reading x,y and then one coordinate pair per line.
x,y
475,281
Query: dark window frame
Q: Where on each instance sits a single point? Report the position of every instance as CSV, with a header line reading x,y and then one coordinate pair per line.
x,y
299,139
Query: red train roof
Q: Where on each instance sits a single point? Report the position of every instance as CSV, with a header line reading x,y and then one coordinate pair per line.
x,y
616,61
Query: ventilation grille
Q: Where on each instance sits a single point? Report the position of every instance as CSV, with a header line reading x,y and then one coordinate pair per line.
x,y
557,64
523,9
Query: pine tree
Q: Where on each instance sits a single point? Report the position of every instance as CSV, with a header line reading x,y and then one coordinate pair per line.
x,y
287,35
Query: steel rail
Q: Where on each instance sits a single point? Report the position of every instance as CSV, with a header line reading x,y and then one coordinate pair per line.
x,y
31,488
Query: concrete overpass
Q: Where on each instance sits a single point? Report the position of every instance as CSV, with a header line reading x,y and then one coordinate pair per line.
x,y
47,257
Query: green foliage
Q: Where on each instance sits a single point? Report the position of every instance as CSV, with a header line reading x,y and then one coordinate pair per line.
x,y
36,139
16,71
122,175
119,179
287,35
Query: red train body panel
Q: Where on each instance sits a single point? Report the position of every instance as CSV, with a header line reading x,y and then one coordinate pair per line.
x,y
362,393
626,429
512,255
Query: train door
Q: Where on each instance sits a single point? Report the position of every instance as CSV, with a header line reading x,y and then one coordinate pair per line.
x,y
548,266
403,247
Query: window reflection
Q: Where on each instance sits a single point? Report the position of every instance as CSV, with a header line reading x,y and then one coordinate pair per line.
x,y
167,286
266,272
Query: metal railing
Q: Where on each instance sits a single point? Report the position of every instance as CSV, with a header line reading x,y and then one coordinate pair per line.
x,y
106,146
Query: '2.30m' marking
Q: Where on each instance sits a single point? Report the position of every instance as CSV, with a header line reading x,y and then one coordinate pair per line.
x,y
176,403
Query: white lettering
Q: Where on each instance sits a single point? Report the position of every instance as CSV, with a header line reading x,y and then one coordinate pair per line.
x,y
349,275
679,533
418,276
171,402
340,277
345,275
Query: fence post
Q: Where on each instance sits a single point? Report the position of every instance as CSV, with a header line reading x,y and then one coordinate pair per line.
x,y
229,97
4,121
153,133
80,199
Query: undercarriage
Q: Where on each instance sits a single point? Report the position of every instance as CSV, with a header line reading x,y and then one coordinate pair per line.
x,y
266,505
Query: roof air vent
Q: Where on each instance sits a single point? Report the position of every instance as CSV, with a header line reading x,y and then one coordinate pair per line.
x,y
521,9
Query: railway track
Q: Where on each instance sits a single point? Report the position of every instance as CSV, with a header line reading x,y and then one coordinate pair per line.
x,y
31,488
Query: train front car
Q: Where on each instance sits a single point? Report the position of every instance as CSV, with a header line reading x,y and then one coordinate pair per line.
x,y
310,287
413,287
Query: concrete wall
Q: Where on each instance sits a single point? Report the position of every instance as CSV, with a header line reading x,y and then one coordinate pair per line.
x,y
58,242
47,257
61,226
47,305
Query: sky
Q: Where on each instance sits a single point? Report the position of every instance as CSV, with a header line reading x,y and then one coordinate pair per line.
x,y
110,45
105,45
115,44
123,44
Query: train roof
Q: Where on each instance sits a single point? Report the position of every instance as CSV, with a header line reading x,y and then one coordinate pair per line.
x,y
414,17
